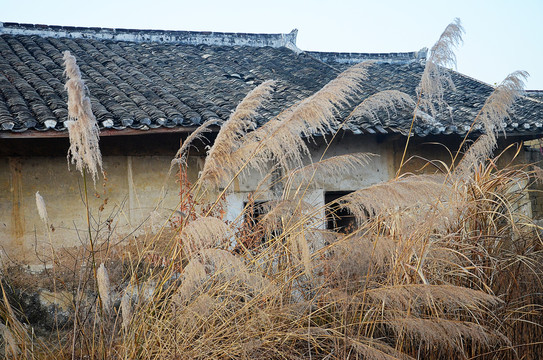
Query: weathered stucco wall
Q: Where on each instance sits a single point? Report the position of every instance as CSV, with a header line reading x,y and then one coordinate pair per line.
x,y
137,195
140,195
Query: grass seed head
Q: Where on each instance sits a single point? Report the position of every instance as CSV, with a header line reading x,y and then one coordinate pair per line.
x,y
40,204
83,129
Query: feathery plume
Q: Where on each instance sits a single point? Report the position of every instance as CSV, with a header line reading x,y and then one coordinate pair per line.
x,y
10,344
373,349
436,77
445,332
333,166
283,137
494,111
103,287
126,309
447,296
405,192
204,233
181,155
42,210
220,162
275,212
83,130
388,101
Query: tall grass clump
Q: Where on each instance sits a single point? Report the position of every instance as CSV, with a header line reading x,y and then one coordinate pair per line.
x,y
436,266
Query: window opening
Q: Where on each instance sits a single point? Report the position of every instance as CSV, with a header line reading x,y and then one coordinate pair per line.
x,y
338,219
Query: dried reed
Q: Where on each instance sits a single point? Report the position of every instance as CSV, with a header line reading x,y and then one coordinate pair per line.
x,y
434,268
83,129
42,210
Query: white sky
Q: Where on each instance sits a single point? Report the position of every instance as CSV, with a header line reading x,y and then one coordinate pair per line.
x,y
501,36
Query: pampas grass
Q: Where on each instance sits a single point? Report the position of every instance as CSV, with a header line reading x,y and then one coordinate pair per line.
x,y
204,233
82,127
395,194
221,162
103,288
180,157
438,266
282,138
42,210
126,310
11,347
492,116
388,101
436,78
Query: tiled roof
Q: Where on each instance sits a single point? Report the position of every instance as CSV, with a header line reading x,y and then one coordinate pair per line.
x,y
462,105
535,94
142,79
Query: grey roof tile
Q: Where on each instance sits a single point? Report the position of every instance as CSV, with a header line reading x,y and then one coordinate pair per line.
x,y
146,83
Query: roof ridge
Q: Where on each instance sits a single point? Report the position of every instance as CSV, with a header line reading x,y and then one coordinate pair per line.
x,y
356,57
159,36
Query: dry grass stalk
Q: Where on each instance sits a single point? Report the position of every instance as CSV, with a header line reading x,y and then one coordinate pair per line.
x,y
83,129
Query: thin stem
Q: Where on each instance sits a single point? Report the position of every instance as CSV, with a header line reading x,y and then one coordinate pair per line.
x,y
89,228
408,136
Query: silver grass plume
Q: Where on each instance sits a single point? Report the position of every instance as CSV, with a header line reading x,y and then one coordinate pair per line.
x,y
83,130
126,309
278,213
436,78
405,192
388,101
492,115
282,138
42,210
447,296
446,332
180,157
373,349
333,166
11,347
204,233
103,287
222,267
220,162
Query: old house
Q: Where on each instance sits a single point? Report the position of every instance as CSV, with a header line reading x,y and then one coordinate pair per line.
x,y
149,89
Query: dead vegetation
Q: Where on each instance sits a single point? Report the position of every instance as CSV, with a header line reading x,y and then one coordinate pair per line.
x,y
438,266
